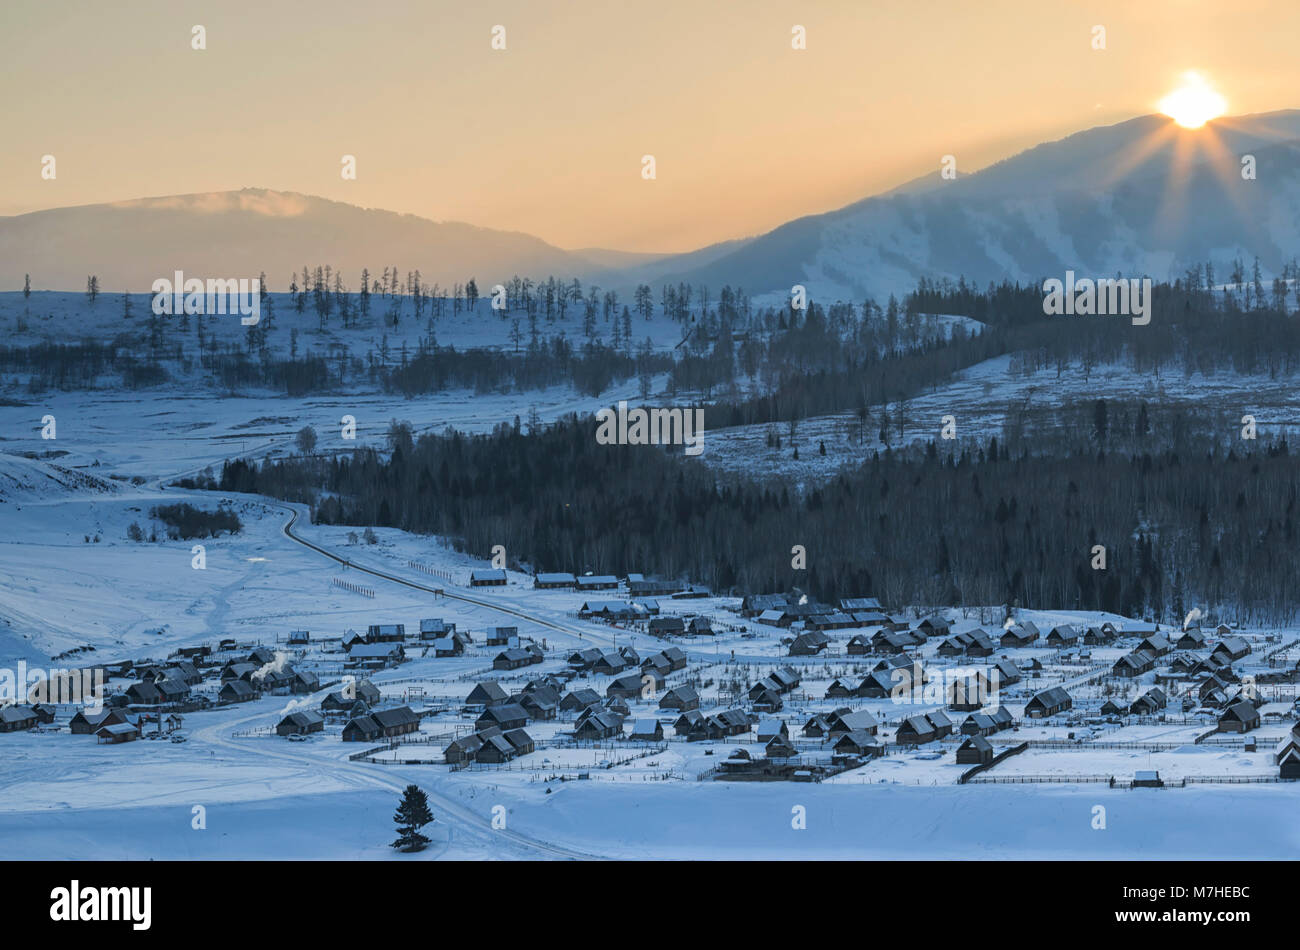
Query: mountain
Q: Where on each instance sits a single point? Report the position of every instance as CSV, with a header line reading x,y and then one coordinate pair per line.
x,y
129,244
1141,197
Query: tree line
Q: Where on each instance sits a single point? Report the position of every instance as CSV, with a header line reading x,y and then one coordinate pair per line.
x,y
1185,519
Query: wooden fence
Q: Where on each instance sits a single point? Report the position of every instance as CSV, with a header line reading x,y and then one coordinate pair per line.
x,y
431,571
984,767
1125,783
354,588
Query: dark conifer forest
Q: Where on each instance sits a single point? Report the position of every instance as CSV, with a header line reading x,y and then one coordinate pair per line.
x,y
1194,523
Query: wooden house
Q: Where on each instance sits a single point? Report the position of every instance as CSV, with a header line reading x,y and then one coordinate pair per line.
x,y
860,743
839,690
148,694
1134,664
17,718
832,621
1239,717
933,627
1150,702
236,691
893,641
755,604
555,581
700,627
495,750
261,656
1005,673
1048,702
880,685
579,699
969,693
512,659
463,749
978,724
688,722
976,750
603,724
1232,649
667,627
851,604
301,723
861,721
1018,635
859,645
1156,645
85,723
376,655
728,722
117,733
504,716
818,727
779,747
916,730
500,636
647,730
683,698
809,644
1287,754
1063,636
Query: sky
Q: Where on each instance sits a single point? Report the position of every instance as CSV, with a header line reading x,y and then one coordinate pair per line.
x,y
547,136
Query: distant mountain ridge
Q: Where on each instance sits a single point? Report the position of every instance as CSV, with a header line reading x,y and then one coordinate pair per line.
x,y
1139,197
128,244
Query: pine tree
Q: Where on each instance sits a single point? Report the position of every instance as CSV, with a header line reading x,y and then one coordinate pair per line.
x,y
412,815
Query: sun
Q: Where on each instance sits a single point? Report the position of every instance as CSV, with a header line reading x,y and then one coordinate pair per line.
x,y
1193,103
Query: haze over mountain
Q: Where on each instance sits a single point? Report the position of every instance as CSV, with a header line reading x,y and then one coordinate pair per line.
x,y
1141,197
129,244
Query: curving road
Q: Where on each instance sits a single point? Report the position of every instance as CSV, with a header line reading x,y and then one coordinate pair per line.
x,y
465,819
353,566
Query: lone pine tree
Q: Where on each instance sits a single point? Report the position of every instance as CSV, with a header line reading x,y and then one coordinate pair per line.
x,y
412,815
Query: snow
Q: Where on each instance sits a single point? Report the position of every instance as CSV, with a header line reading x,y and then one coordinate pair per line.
x,y
71,580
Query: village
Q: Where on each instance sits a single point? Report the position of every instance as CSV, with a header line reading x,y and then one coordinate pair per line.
x,y
637,679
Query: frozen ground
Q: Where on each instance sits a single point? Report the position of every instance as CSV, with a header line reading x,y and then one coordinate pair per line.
x,y
265,797
71,580
982,400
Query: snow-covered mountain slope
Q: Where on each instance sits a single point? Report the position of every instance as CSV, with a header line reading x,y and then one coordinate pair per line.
x,y
31,480
1141,197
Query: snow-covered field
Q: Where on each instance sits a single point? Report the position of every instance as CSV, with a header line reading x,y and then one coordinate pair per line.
x,y
74,590
262,796
982,399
